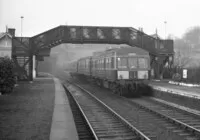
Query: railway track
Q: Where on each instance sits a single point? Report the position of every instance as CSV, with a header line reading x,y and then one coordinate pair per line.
x,y
82,127
184,118
103,122
146,117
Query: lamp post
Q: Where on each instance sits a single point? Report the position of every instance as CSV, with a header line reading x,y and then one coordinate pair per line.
x,y
21,26
165,22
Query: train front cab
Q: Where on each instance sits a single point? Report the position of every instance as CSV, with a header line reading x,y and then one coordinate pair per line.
x,y
133,68
132,74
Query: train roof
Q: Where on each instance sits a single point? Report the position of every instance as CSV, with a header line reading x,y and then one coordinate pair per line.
x,y
119,52
128,50
124,51
86,57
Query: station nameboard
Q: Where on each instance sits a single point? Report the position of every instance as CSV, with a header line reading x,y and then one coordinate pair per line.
x,y
44,52
39,58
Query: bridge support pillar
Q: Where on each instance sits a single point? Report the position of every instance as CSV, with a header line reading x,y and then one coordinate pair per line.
x,y
159,67
34,66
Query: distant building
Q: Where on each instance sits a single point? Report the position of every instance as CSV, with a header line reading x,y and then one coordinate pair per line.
x,y
6,44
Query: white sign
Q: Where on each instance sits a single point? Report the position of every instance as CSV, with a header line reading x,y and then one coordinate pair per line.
x,y
185,73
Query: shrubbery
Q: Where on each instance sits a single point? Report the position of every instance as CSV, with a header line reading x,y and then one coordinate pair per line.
x,y
7,78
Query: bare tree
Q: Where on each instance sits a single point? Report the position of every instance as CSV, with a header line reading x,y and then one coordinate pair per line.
x,y
192,35
187,48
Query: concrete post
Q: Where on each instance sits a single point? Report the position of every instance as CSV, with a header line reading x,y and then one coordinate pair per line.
x,y
34,66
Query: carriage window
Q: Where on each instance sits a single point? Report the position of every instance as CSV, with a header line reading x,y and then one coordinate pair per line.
x,y
122,63
143,63
101,65
106,62
132,62
97,63
86,63
109,63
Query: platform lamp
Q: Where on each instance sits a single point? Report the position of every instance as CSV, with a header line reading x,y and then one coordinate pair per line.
x,y
165,22
21,26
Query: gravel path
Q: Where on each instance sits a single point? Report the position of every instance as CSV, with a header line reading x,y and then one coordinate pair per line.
x,y
26,114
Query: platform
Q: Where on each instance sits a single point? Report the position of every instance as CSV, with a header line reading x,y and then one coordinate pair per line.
x,y
63,126
193,92
37,110
26,113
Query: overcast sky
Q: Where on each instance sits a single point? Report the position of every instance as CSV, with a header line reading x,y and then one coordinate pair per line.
x,y
41,15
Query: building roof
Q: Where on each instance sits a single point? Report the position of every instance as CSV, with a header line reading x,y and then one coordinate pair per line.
x,y
5,34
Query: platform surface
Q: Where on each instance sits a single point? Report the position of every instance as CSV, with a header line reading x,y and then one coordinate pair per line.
x,y
63,126
37,110
27,112
193,92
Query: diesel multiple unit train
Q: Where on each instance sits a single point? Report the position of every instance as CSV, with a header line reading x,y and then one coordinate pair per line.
x,y
124,70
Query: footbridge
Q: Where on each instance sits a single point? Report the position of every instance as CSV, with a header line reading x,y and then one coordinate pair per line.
x,y
26,51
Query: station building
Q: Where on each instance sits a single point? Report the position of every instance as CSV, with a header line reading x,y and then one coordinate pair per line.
x,y
6,43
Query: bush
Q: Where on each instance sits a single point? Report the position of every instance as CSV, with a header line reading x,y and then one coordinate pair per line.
x,y
193,75
176,77
7,78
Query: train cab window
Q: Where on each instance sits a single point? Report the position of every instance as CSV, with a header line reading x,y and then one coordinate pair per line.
x,y
132,62
143,63
122,62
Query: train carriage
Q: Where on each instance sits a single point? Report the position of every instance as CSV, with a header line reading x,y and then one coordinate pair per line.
x,y
98,67
84,66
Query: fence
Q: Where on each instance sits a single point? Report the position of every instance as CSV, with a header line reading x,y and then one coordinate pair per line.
x,y
177,74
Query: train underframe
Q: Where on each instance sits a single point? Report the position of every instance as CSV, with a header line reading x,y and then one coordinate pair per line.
x,y
126,88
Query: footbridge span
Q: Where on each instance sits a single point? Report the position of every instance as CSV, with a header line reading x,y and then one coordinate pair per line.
x,y
27,50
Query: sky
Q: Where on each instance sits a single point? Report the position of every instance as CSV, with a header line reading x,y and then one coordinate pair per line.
x,y
42,15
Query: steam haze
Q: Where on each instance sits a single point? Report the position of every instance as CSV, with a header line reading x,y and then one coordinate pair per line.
x,y
63,54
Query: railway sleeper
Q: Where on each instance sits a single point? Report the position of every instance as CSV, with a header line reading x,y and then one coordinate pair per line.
x,y
119,138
